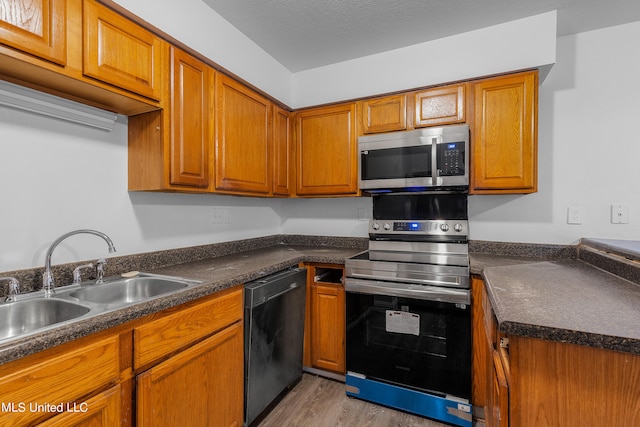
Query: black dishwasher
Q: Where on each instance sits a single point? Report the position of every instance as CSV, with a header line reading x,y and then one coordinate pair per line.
x,y
273,337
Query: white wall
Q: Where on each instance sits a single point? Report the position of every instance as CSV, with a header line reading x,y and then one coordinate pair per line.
x,y
516,45
196,25
519,44
589,148
57,177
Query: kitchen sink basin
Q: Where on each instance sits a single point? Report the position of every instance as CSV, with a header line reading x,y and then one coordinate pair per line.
x,y
22,317
125,291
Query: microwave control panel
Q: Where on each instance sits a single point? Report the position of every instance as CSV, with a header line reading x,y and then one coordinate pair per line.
x,y
451,159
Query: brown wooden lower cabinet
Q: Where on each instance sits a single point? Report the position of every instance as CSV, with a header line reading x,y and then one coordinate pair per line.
x,y
201,386
102,410
532,382
197,378
325,318
498,399
187,363
54,382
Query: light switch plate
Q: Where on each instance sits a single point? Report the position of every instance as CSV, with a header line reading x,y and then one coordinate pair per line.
x,y
574,215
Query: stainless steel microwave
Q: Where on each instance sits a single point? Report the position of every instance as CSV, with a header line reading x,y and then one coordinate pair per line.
x,y
419,160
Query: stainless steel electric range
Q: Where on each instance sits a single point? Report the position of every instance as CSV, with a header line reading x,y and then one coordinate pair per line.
x,y
408,308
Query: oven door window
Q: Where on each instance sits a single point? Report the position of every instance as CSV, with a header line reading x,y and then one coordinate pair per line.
x,y
428,349
396,163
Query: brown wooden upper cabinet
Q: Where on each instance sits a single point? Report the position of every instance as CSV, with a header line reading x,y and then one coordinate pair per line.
x,y
442,105
504,134
326,151
35,27
80,50
119,52
243,144
437,106
384,114
282,170
192,119
171,149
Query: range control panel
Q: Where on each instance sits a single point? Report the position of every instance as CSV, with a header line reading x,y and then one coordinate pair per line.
x,y
426,228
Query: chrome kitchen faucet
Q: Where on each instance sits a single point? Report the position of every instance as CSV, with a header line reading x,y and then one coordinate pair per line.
x,y
47,276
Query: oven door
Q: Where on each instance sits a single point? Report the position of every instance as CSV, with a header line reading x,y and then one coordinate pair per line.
x,y
408,338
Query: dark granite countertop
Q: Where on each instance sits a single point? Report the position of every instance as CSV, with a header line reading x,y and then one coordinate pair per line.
x,y
629,249
566,300
216,274
585,294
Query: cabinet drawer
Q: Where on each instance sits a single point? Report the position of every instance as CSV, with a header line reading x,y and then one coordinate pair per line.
x,y
57,380
180,326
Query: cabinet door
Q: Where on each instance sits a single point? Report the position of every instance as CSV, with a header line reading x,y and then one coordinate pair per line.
x,y
481,345
102,410
384,114
504,135
328,327
201,386
282,170
499,399
191,119
440,106
119,52
35,27
57,377
243,143
326,150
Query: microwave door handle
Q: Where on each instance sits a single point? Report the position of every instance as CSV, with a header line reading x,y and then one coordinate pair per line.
x,y
434,159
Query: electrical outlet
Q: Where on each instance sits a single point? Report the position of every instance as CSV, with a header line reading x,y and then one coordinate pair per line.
x,y
574,215
219,216
619,214
363,214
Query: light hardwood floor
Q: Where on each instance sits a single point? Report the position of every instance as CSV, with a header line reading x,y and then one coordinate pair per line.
x,y
320,402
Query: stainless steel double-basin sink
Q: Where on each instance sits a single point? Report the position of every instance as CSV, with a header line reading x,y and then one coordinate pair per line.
x,y
33,312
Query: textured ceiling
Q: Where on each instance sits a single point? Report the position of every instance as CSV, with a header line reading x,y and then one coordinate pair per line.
x,y
305,34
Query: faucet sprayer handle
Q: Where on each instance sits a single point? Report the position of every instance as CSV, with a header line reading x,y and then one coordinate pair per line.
x,y
77,272
14,287
100,270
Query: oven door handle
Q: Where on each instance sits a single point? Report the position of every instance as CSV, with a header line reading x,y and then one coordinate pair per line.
x,y
423,292
458,281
